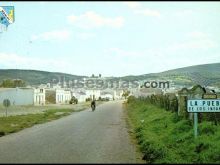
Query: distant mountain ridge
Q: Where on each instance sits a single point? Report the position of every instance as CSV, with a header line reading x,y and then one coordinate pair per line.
x,y
207,74
35,77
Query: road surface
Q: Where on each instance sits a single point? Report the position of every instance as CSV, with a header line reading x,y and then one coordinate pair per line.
x,y
83,137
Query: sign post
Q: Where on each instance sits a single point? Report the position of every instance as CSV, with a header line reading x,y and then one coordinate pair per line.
x,y
195,125
6,103
203,106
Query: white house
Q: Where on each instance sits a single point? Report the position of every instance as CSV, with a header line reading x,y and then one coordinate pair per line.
x,y
58,96
80,95
144,92
63,96
39,96
118,94
93,94
170,90
107,95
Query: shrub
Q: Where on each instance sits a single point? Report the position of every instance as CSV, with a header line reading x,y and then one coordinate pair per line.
x,y
131,99
207,128
152,151
2,133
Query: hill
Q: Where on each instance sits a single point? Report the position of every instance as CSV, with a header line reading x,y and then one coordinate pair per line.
x,y
35,77
207,74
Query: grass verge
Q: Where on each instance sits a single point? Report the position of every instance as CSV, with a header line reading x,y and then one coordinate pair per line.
x,y
13,124
165,138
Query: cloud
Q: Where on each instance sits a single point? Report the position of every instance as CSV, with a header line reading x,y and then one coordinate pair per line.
x,y
193,44
132,5
12,60
174,54
138,9
86,36
42,3
195,40
148,12
165,58
91,19
124,53
197,34
55,35
135,53
184,13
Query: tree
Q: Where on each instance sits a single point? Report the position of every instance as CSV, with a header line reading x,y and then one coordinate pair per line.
x,y
19,83
126,94
73,100
9,83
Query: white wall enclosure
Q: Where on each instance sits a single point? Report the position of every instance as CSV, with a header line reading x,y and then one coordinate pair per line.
x,y
17,96
23,96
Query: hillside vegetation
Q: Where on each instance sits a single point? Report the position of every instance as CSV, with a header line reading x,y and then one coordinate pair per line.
x,y
208,74
34,77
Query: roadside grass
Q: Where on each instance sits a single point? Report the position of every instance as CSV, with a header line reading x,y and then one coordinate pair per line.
x,y
163,137
13,124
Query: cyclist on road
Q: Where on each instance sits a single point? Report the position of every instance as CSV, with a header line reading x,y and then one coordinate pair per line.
x,y
93,104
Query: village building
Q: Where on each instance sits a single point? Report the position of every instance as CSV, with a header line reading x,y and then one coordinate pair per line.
x,y
144,92
170,90
107,95
93,94
23,96
80,95
63,96
57,96
39,96
118,94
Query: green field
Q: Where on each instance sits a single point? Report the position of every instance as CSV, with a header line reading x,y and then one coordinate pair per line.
x,y
165,138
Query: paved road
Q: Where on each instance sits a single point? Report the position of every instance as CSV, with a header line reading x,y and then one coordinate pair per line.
x,y
83,137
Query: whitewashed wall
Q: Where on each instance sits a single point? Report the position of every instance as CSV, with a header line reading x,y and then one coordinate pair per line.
x,y
17,96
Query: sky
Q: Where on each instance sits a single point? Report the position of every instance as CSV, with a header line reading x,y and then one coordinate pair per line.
x,y
110,38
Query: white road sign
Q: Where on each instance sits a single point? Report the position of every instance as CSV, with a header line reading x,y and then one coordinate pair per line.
x,y
203,105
